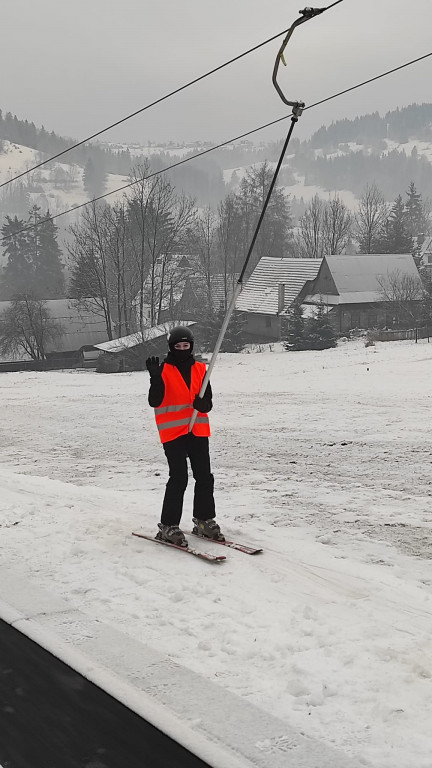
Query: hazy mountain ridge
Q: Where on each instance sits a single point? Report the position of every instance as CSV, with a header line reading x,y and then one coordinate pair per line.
x,y
344,157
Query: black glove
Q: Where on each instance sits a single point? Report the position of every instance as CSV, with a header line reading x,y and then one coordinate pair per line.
x,y
202,404
153,367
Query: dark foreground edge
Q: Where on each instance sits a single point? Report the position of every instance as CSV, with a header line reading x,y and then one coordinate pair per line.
x,y
52,717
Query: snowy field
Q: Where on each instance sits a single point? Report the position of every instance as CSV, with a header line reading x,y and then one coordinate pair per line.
x,y
322,458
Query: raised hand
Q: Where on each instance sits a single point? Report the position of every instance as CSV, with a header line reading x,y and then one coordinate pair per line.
x,y
153,366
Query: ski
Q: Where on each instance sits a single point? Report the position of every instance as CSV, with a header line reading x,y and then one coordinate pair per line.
x,y
232,544
195,552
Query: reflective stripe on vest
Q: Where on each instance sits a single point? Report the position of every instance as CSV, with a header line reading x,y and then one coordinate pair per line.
x,y
174,413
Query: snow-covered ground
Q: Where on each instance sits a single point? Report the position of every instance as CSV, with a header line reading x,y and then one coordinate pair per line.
x,y
16,159
299,189
322,458
307,192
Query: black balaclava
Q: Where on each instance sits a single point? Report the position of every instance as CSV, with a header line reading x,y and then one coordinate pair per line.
x,y
181,333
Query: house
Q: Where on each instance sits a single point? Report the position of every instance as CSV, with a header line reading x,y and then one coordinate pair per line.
x,y
351,288
198,296
166,287
270,290
177,288
424,258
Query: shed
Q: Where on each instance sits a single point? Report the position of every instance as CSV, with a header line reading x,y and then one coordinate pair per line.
x,y
130,352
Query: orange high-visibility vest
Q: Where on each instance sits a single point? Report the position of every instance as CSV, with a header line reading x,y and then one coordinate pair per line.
x,y
174,413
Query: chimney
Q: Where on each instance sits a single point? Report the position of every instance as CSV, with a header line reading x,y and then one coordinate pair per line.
x,y
281,297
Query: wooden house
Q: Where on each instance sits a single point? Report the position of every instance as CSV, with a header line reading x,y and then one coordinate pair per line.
x,y
351,288
271,289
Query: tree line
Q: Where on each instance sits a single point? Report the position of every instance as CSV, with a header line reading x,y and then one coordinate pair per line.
x,y
49,143
122,256
329,227
397,125
354,169
131,262
124,260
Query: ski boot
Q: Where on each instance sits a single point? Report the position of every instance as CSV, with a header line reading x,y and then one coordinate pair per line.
x,y
172,534
208,529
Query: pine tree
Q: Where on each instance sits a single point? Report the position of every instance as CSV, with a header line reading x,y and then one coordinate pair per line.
x,y
18,274
275,236
397,238
48,266
320,332
33,258
414,212
234,339
295,338
94,178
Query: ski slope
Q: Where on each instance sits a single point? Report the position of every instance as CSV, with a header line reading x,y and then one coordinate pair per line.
x,y
52,195
322,458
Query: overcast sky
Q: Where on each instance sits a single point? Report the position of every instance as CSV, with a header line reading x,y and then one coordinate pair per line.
x,y
77,65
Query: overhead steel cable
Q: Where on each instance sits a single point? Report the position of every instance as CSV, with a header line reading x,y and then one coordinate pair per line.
x,y
213,149
143,109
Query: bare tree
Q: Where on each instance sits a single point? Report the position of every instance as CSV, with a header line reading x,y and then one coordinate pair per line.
x,y
310,240
165,220
123,278
371,218
27,326
202,239
324,228
337,226
229,243
102,267
405,294
90,253
138,202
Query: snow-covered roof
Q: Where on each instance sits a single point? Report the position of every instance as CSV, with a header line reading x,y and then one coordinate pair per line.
x,y
358,278
261,292
361,272
155,332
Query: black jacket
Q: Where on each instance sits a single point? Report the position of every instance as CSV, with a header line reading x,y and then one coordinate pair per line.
x,y
157,386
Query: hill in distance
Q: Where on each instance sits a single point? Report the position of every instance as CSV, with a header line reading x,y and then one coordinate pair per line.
x,y
391,150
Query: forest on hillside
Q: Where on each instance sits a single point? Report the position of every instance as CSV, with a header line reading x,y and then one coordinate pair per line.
x,y
348,154
398,125
201,179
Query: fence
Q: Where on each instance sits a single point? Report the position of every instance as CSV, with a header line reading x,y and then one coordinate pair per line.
x,y
38,365
412,333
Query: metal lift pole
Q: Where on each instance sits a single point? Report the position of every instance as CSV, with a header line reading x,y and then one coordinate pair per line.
x,y
297,109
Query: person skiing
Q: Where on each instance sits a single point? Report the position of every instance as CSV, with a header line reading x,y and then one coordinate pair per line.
x,y
174,394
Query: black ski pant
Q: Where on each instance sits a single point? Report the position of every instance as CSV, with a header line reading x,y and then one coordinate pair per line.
x,y
177,452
